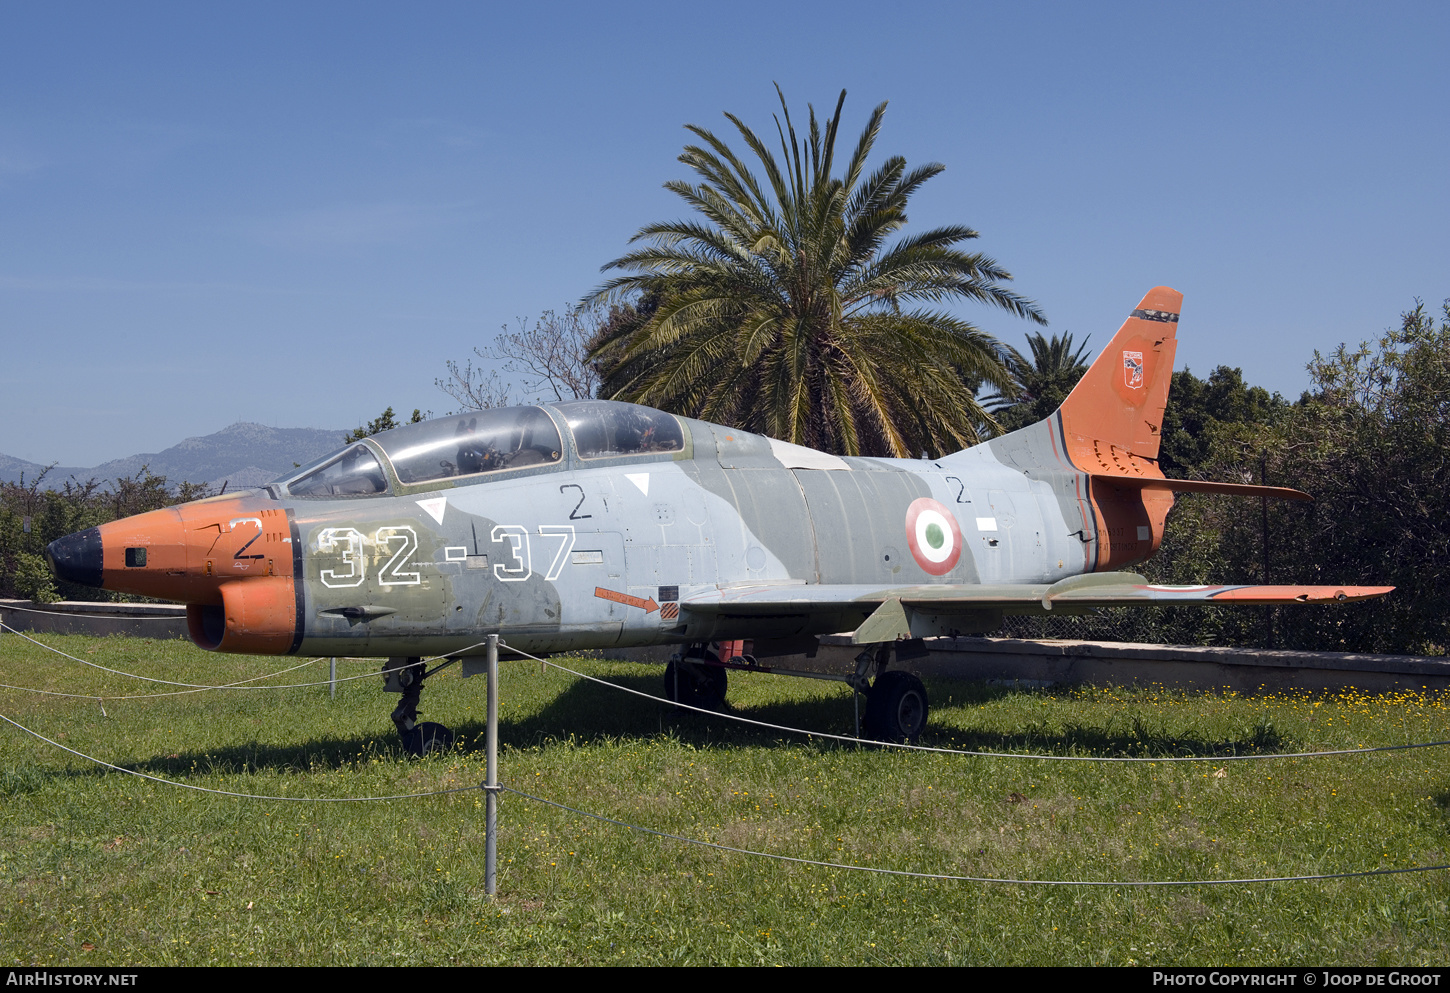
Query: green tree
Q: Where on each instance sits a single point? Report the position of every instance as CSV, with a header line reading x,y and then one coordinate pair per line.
x,y
1371,442
1041,385
1200,408
784,310
385,421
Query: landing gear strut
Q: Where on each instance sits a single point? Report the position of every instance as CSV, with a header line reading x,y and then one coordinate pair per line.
x,y
405,676
896,701
696,679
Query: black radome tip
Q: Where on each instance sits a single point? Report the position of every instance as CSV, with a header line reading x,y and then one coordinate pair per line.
x,y
76,558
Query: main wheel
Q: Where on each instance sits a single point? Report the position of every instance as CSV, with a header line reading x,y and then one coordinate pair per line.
x,y
697,680
896,707
427,738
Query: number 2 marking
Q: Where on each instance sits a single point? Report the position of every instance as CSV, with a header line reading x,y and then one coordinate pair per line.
x,y
574,514
248,520
961,490
392,573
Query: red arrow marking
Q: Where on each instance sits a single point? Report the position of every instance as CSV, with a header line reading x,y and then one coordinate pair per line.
x,y
649,606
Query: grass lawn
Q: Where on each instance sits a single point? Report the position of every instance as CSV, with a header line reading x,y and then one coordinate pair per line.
x,y
97,867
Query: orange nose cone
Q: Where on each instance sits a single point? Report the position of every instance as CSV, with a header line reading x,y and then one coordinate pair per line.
x,y
147,555
232,558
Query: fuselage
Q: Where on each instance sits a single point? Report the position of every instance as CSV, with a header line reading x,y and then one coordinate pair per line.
x,y
584,525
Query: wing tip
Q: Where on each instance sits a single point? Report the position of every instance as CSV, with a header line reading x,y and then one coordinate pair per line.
x,y
1302,594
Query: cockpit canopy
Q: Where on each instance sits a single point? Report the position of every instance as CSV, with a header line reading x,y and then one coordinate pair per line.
x,y
473,443
607,428
488,441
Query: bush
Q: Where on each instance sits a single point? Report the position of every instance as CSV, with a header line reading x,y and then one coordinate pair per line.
x,y
32,517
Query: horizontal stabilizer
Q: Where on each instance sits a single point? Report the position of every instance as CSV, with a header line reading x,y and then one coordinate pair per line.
x,y
1202,486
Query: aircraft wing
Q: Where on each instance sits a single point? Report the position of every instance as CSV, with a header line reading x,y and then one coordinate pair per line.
x,y
889,606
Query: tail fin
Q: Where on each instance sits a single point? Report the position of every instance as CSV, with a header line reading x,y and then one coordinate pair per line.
x,y
1112,419
1100,447
1111,427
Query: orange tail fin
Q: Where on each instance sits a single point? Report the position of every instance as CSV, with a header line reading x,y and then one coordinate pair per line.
x,y
1112,419
1109,430
1111,426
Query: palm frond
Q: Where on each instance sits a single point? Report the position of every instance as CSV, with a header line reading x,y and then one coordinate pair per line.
x,y
784,308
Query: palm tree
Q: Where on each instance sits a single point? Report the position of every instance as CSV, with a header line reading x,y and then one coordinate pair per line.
x,y
785,312
1040,386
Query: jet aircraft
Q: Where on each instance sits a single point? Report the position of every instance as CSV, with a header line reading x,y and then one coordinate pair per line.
x,y
598,524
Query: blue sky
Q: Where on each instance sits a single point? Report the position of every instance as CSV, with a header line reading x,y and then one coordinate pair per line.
x,y
295,213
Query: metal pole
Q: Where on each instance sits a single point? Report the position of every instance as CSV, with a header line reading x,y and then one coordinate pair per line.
x,y
332,675
1264,524
490,803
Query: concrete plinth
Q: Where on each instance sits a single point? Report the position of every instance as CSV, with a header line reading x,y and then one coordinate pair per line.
x,y
138,620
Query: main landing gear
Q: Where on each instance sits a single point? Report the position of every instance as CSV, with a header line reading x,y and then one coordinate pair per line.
x,y
896,701
896,707
405,676
696,678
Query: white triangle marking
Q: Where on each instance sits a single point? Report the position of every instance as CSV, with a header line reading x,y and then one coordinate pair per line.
x,y
640,479
434,506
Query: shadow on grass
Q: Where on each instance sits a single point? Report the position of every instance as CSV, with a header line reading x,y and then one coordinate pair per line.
x,y
1137,742
586,713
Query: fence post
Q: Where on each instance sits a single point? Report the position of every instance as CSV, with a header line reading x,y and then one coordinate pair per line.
x,y
490,809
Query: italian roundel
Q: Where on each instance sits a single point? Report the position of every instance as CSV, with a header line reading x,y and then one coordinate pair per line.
x,y
935,539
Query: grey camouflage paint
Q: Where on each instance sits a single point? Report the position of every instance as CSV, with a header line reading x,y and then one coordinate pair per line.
x,y
525,553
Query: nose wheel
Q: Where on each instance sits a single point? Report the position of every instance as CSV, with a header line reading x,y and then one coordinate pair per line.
x,y
427,738
405,676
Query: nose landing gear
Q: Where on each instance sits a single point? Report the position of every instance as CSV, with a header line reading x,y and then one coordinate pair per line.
x,y
405,676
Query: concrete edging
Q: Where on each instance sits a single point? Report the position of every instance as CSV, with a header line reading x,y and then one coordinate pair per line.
x,y
137,620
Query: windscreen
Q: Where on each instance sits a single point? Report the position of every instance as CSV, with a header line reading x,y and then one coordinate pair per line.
x,y
354,472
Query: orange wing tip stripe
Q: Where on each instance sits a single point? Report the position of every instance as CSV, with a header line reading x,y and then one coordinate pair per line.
x,y
1167,317
1301,594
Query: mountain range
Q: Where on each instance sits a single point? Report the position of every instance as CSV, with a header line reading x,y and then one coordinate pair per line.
x,y
241,455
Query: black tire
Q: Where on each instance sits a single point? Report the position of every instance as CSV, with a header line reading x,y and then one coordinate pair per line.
x,y
896,708
698,681
427,738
